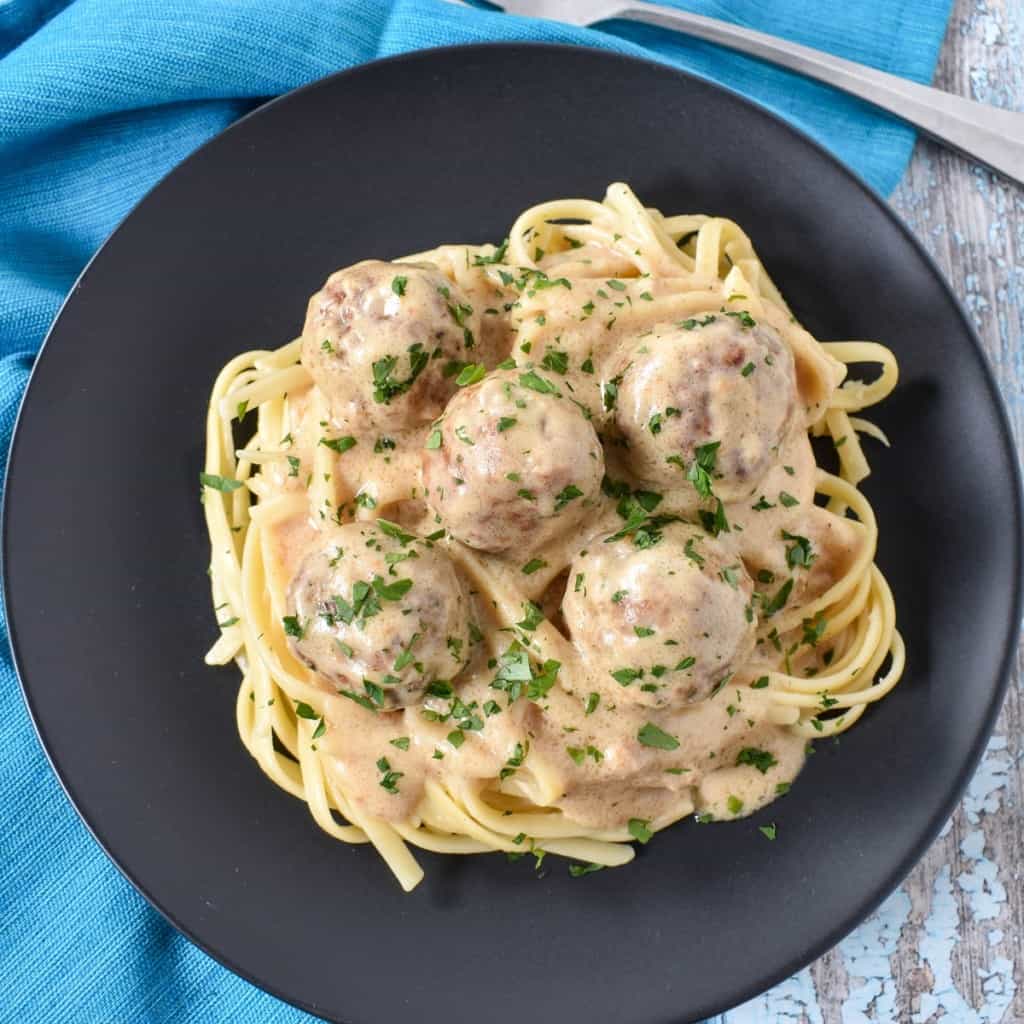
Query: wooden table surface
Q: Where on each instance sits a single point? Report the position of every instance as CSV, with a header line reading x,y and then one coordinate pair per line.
x,y
948,945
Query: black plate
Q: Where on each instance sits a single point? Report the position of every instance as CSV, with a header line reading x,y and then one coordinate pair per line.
x,y
105,548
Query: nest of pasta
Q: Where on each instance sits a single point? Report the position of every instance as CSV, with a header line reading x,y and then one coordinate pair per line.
x,y
526,548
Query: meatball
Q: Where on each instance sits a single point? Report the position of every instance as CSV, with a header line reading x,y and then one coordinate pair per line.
x,y
373,606
381,341
715,394
660,625
513,463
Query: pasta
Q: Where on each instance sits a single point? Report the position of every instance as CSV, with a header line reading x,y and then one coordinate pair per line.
x,y
525,548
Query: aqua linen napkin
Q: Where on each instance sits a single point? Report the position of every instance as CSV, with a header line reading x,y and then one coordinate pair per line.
x,y
98,100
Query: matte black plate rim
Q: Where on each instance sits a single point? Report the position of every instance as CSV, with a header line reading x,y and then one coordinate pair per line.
x,y
899,872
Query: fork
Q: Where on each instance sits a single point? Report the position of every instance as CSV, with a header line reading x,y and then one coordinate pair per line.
x,y
990,135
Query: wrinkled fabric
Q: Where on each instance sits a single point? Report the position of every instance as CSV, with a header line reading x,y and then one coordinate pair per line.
x,y
99,99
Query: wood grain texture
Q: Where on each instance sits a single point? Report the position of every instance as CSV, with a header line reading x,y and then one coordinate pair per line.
x,y
948,945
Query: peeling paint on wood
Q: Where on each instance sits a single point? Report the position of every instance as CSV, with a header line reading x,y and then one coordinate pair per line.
x,y
948,945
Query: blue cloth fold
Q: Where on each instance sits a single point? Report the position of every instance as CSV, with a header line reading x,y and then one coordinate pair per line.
x,y
98,100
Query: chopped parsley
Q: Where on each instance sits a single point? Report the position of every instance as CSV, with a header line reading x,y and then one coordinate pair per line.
x,y
515,761
471,373
639,829
778,602
405,658
814,629
799,555
303,710
532,616
498,256
565,495
720,685
389,779
650,735
516,676
363,702
535,382
610,392
292,627
391,591
715,522
374,692
393,530
692,324
728,574
219,483
579,870
691,552
385,385
556,361
625,676
339,444
762,760
745,319
703,465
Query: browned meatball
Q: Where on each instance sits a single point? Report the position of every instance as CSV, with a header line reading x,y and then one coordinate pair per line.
x,y
717,390
660,625
381,341
513,463
371,604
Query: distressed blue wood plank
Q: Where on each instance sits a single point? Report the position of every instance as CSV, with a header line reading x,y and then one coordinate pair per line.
x,y
949,944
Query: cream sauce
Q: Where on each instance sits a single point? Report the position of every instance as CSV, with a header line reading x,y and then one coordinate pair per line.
x,y
582,741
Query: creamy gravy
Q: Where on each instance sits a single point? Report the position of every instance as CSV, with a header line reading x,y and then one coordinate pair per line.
x,y
595,744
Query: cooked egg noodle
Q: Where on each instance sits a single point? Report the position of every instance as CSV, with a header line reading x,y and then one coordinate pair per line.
x,y
855,614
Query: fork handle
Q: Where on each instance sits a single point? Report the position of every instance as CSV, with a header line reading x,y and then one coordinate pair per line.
x,y
985,133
